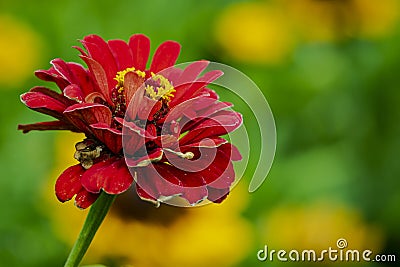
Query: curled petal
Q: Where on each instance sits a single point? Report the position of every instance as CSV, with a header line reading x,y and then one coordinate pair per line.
x,y
74,92
101,78
52,75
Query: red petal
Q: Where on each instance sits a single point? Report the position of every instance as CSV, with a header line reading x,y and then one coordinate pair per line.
x,y
122,53
165,56
191,72
85,114
219,124
140,49
187,91
48,125
101,78
52,75
99,51
69,183
36,100
192,185
62,68
156,184
90,113
74,92
85,199
111,175
144,195
217,195
82,78
111,137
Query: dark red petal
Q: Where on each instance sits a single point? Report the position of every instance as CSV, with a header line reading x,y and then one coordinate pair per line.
x,y
62,68
100,76
90,113
52,94
82,78
122,54
140,49
84,114
35,100
207,142
111,137
48,125
186,108
85,199
74,92
193,187
68,183
220,175
99,51
52,75
217,195
111,175
156,183
165,56
219,124
232,151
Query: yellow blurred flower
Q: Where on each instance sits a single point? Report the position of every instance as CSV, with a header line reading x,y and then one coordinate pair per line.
x,y
137,233
254,32
20,50
323,20
318,226
267,31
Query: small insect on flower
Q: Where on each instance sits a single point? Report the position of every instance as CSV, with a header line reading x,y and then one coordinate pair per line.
x,y
87,151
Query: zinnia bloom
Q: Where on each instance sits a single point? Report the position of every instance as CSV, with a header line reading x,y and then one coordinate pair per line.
x,y
158,127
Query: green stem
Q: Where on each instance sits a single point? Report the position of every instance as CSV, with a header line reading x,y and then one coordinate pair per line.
x,y
93,221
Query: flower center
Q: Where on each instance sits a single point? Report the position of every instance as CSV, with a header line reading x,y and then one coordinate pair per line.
x,y
158,87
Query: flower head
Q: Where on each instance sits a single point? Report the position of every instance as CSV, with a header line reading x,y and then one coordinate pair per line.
x,y
157,127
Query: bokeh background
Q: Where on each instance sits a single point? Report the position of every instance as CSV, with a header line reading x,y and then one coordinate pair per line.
x,y
330,71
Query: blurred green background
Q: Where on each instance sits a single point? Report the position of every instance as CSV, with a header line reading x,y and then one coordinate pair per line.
x,y
330,71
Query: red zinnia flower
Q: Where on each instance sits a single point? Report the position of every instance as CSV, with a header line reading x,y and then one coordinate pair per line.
x,y
159,126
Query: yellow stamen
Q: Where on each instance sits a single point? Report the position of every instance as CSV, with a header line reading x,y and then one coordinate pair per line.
x,y
164,91
121,75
